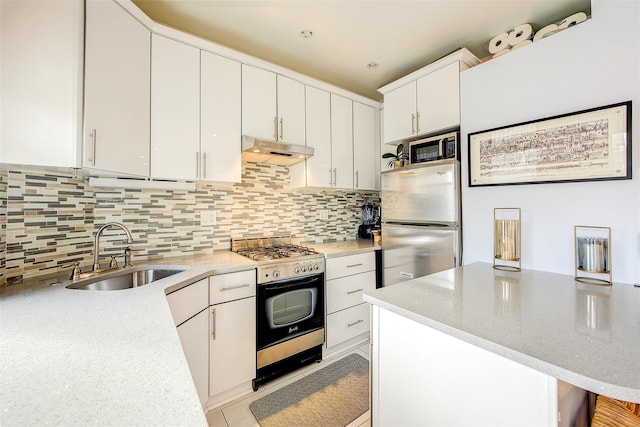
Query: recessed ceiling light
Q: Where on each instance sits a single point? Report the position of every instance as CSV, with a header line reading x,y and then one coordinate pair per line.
x,y
372,65
306,34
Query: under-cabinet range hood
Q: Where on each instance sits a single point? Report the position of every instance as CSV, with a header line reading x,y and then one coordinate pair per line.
x,y
274,153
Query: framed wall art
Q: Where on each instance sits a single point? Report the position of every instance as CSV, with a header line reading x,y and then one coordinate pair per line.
x,y
587,145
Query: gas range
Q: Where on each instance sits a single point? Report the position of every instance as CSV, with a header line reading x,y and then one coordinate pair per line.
x,y
278,258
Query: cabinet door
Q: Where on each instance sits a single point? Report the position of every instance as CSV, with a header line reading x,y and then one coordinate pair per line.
x,y
439,99
259,116
342,141
399,113
347,291
346,324
175,109
193,336
290,111
117,90
41,82
220,114
365,147
318,118
232,345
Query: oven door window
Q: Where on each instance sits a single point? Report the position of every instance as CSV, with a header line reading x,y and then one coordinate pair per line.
x,y
291,307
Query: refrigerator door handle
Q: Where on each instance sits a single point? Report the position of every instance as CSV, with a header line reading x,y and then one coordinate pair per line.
x,y
447,225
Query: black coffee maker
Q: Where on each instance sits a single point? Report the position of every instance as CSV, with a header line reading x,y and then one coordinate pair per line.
x,y
370,216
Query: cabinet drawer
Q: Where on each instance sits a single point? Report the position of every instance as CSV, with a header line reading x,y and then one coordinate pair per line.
x,y
232,286
189,301
347,291
350,264
347,324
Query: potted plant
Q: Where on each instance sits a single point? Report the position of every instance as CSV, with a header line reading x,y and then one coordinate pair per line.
x,y
398,158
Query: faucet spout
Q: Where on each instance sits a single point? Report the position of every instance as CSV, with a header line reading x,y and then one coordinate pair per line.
x,y
96,242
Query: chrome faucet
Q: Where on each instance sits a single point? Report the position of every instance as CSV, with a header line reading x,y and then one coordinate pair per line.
x,y
96,243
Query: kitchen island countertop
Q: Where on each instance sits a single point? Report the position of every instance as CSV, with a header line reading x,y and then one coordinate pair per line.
x,y
584,334
79,357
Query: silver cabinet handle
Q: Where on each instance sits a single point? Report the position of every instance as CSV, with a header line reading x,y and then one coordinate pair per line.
x,y
281,128
356,291
413,124
354,265
354,323
335,177
204,165
94,135
406,275
330,178
230,288
213,323
275,128
197,164
357,179
417,122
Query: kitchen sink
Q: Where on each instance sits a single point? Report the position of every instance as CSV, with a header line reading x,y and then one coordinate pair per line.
x,y
125,279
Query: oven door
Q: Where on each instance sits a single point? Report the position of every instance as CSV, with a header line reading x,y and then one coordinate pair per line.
x,y
290,308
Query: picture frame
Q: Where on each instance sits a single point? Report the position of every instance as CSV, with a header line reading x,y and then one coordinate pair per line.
x,y
587,145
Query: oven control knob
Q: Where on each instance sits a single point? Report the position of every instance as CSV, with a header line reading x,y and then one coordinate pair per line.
x,y
304,268
296,269
276,273
315,267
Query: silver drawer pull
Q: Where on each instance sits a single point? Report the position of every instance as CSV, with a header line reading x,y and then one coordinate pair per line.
x,y
406,275
354,323
354,265
353,292
231,288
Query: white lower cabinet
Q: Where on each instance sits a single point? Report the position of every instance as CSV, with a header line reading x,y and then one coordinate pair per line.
x,y
347,315
232,341
347,324
189,307
216,322
193,335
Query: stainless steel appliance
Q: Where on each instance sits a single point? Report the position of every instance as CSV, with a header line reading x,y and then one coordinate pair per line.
x,y
370,221
432,148
289,305
421,228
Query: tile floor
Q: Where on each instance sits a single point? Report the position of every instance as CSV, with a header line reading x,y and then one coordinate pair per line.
x,y
237,413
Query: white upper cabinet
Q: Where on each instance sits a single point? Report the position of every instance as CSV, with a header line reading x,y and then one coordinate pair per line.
x,y
427,100
117,90
195,114
318,124
40,82
365,147
175,109
259,114
290,111
400,113
272,106
220,114
438,99
342,141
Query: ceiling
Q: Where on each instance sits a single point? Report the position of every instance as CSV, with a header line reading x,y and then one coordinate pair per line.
x,y
400,35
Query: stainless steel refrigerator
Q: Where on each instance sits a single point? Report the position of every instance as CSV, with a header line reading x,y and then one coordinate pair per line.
x,y
421,213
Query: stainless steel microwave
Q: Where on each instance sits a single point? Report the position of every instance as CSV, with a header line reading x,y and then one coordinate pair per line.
x,y
438,147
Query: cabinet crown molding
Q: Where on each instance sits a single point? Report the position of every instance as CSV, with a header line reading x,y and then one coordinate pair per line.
x,y
466,58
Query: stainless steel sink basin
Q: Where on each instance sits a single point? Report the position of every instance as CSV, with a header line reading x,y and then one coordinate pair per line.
x,y
125,279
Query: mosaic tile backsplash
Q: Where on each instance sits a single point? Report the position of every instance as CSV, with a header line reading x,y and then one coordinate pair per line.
x,y
49,220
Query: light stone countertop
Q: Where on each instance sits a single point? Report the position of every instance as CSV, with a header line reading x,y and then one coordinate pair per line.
x,y
584,334
78,357
347,247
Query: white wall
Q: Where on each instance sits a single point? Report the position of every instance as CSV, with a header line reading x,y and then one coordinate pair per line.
x,y
592,64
